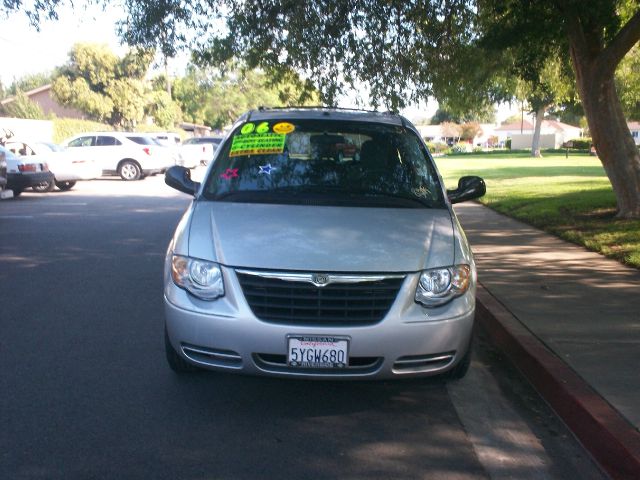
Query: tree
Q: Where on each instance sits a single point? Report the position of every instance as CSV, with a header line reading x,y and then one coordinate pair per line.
x,y
597,36
486,114
442,116
628,83
216,97
470,130
29,82
596,52
106,87
548,87
405,51
164,111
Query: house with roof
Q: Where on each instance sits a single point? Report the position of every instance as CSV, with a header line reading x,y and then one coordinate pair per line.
x,y
438,134
43,97
552,134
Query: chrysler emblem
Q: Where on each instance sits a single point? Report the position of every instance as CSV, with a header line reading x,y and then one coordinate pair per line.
x,y
320,279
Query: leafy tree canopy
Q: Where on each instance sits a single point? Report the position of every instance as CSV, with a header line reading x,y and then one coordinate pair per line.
x,y
486,115
106,87
405,51
628,83
216,97
29,82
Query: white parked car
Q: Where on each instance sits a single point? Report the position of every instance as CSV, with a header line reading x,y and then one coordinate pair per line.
x,y
171,141
130,155
66,170
168,139
198,151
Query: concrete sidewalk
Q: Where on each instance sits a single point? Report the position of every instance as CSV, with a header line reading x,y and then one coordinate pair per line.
x,y
570,320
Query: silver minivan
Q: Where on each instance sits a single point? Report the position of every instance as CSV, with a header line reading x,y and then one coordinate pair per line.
x,y
320,244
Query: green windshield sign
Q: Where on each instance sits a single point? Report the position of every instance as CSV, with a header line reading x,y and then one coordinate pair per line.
x,y
257,144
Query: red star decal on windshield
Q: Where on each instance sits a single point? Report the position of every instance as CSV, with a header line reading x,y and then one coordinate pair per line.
x,y
230,173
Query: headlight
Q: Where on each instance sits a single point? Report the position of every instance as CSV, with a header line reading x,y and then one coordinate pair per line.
x,y
200,278
440,285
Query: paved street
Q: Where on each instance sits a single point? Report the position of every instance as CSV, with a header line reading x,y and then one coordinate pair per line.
x,y
85,391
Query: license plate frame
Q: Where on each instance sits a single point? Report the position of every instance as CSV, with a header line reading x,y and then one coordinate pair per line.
x,y
314,351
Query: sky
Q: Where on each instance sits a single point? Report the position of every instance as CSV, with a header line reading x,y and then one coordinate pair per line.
x,y
27,51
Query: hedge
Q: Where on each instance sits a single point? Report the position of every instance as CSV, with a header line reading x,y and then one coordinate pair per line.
x,y
64,128
438,147
583,143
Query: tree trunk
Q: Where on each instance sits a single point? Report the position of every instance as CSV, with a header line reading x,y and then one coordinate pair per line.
x,y
166,73
594,67
535,141
611,136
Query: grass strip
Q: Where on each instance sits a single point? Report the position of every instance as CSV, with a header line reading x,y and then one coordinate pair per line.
x,y
568,197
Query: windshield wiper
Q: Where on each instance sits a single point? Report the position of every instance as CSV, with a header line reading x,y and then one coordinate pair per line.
x,y
375,197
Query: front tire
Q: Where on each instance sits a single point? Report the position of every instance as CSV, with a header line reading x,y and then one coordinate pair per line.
x,y
129,170
64,186
175,361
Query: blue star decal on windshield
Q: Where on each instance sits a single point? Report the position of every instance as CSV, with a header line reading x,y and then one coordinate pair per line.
x,y
266,168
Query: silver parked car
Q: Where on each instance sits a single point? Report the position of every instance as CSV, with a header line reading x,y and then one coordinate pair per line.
x,y
295,261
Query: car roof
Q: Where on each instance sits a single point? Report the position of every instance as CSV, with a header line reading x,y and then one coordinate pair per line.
x,y
324,113
28,141
113,134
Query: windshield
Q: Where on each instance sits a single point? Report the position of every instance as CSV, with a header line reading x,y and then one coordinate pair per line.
x,y
327,163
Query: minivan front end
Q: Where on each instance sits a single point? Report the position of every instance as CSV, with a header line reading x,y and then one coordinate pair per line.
x,y
297,261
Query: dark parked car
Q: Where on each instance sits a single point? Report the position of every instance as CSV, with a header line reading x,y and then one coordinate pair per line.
x,y
23,172
3,172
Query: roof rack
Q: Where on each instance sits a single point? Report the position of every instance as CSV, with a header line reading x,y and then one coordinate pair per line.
x,y
320,107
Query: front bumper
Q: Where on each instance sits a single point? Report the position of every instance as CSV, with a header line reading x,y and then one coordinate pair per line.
x,y
411,341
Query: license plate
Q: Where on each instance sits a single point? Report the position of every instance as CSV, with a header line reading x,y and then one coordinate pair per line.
x,y
317,352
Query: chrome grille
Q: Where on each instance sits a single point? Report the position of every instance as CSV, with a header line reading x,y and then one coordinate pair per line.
x,y
345,300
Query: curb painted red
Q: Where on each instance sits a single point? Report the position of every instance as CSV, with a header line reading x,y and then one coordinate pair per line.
x,y
610,438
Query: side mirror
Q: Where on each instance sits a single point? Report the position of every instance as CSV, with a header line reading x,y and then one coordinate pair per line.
x,y
468,189
180,179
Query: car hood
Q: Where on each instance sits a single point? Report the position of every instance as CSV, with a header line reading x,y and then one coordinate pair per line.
x,y
320,238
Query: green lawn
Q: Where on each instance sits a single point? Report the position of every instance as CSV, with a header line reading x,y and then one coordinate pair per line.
x,y
571,198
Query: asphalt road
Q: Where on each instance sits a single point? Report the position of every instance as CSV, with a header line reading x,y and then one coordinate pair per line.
x,y
85,391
